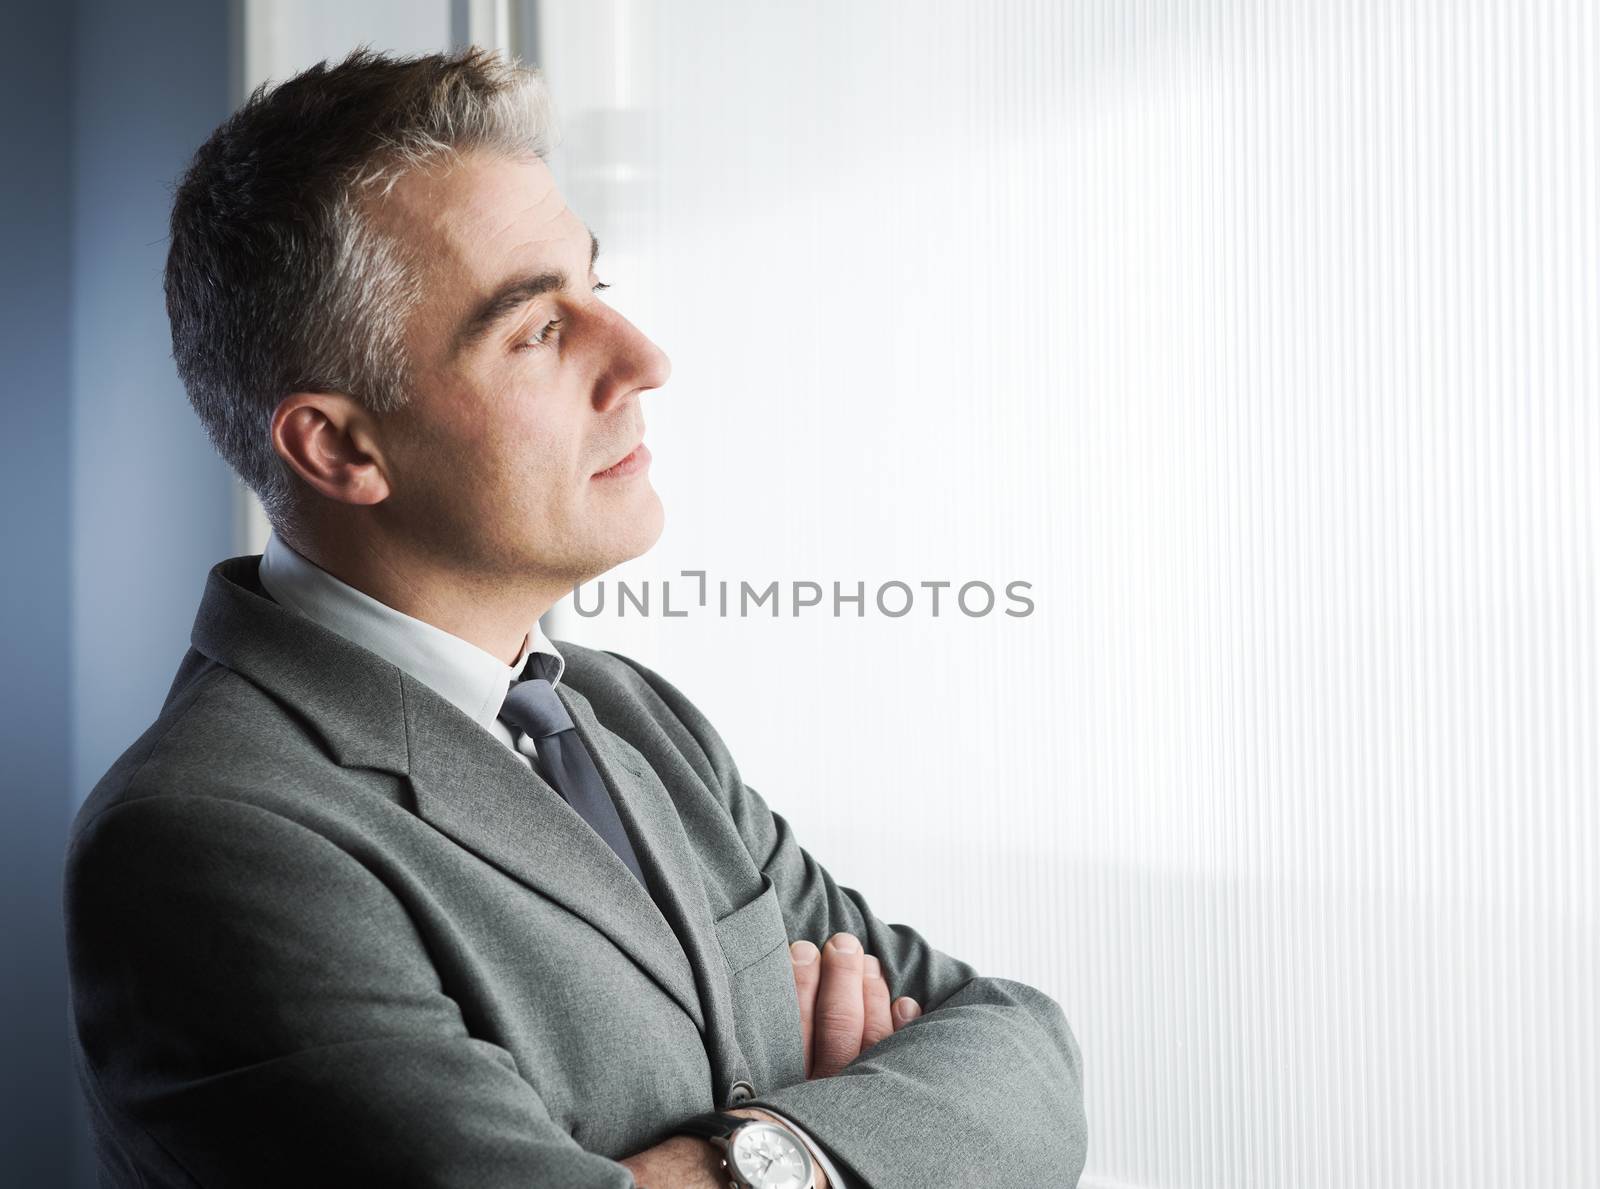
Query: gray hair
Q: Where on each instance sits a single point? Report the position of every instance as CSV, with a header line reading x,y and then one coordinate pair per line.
x,y
276,279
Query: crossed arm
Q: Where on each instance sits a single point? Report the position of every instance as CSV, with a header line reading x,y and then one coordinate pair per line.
x,y
845,1009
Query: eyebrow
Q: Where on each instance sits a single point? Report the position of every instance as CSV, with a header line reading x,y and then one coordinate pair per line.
x,y
511,296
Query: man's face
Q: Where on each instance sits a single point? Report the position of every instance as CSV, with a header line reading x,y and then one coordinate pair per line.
x,y
527,384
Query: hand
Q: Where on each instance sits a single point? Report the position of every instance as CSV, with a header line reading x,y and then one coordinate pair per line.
x,y
844,1003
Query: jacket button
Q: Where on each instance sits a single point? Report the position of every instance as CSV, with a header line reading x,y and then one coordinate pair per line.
x,y
741,1091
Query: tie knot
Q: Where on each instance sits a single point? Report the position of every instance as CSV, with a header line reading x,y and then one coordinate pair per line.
x,y
533,707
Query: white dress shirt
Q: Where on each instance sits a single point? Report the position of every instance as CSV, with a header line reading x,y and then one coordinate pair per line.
x,y
466,676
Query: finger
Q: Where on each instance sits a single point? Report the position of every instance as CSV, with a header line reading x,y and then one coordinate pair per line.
x,y
906,1009
839,1013
875,1003
807,973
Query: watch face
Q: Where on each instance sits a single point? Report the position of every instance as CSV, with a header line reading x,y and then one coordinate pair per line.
x,y
769,1157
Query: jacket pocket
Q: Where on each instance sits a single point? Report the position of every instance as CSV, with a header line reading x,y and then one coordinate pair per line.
x,y
752,931
755,946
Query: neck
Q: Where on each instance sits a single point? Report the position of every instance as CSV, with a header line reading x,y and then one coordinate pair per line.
x,y
492,611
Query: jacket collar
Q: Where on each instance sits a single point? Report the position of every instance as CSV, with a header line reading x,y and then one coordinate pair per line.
x,y
350,697
371,714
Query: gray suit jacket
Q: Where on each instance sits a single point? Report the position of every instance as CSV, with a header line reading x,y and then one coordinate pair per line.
x,y
324,929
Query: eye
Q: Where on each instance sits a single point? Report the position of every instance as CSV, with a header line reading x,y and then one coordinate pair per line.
x,y
542,337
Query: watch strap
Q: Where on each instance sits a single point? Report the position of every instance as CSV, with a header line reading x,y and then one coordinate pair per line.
x,y
712,1125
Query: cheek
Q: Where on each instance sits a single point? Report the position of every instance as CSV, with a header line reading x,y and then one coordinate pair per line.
x,y
537,437
530,465
508,446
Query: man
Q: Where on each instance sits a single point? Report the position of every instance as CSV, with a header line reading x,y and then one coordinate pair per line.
x,y
395,891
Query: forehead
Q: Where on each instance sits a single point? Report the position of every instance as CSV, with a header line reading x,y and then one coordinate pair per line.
x,y
480,217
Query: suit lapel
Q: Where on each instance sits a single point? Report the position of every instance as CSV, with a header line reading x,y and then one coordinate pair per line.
x,y
470,787
656,829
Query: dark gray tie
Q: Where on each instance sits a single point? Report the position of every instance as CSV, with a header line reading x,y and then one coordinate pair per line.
x,y
532,706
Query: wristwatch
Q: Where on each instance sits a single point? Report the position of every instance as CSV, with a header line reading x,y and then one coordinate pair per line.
x,y
755,1153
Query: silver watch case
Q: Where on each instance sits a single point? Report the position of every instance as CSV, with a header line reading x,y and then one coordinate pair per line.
x,y
762,1155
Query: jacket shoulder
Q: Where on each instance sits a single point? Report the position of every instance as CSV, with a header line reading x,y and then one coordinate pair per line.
x,y
218,735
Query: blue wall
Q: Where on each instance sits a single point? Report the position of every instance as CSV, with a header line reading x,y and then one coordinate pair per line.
x,y
35,596
115,505
153,506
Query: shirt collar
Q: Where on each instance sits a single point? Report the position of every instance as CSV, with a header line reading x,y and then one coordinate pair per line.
x,y
472,680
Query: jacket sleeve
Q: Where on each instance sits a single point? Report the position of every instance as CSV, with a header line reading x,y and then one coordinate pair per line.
x,y
984,1088
253,1006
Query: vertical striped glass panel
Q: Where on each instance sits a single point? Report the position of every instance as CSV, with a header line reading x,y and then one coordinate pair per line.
x,y
1261,340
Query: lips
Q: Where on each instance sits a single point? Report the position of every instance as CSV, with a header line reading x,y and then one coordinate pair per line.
x,y
616,462
635,458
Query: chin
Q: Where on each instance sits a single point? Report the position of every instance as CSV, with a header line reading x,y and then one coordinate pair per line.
x,y
631,534
645,527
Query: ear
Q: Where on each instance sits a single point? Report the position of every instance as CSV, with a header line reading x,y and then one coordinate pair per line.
x,y
331,442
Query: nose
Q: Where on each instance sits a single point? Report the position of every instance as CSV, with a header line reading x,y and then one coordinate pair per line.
x,y
633,363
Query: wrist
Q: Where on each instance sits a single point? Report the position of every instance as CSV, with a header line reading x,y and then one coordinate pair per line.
x,y
680,1160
